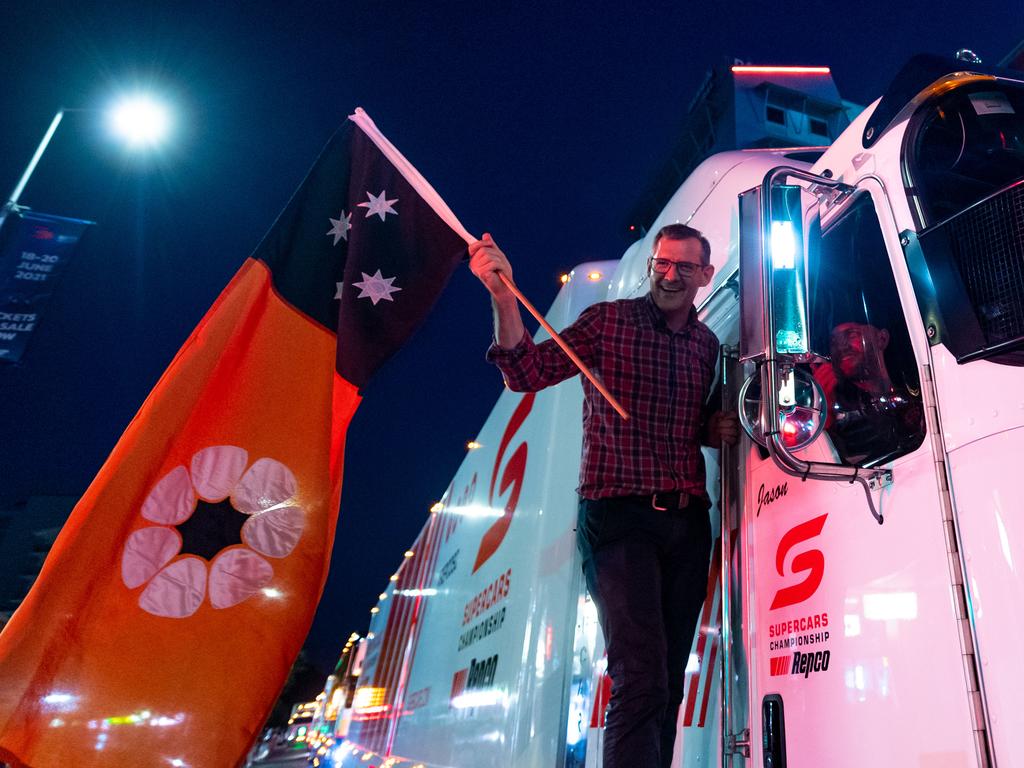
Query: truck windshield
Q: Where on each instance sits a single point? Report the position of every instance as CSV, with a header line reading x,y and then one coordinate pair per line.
x,y
965,146
964,168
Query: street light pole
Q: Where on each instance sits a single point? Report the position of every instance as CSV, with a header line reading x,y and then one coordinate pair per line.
x,y
12,201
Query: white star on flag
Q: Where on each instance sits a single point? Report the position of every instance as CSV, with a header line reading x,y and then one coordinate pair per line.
x,y
379,205
340,227
376,287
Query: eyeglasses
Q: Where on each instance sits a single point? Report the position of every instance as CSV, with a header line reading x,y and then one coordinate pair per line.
x,y
684,269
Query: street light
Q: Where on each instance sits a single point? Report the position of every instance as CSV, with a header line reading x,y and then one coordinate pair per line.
x,y
140,121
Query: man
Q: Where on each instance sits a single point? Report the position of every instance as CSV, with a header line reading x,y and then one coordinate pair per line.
x,y
869,418
643,526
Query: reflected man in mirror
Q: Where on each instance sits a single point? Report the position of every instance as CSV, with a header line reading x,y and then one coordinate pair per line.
x,y
870,419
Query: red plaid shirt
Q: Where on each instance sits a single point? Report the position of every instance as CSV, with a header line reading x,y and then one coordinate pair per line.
x,y
661,378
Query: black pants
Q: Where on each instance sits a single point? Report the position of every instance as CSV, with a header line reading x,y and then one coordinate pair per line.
x,y
647,573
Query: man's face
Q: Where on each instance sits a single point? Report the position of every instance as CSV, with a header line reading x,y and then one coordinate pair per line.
x,y
857,349
674,291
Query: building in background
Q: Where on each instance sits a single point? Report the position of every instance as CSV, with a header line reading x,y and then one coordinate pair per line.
x,y
742,106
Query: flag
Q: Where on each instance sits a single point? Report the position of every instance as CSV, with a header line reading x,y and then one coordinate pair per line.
x,y
166,617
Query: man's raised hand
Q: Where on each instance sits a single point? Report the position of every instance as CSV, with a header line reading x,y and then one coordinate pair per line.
x,y
486,259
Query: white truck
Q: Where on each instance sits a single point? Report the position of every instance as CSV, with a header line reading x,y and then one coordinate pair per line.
x,y
827,639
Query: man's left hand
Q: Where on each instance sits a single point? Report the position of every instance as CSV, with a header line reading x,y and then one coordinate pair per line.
x,y
723,427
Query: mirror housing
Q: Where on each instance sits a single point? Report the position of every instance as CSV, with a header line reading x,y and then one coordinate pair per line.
x,y
772,250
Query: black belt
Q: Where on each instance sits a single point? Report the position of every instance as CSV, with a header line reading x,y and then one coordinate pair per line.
x,y
663,501
670,500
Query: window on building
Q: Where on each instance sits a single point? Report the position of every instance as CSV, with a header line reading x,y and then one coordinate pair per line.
x,y
775,115
866,364
819,127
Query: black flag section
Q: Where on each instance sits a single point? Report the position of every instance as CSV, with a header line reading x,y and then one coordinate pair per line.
x,y
359,250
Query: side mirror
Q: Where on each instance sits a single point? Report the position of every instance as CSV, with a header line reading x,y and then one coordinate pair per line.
x,y
799,423
774,325
773,315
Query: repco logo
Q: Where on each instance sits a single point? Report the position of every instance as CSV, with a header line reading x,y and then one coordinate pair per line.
x,y
512,478
810,562
480,674
802,663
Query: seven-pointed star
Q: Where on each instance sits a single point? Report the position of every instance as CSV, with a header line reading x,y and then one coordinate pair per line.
x,y
379,205
376,287
340,226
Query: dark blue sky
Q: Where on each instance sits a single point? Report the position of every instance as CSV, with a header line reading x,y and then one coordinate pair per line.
x,y
540,122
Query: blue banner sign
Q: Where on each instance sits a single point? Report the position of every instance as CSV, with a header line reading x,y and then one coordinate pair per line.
x,y
35,250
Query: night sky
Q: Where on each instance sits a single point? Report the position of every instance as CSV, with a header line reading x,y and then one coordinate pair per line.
x,y
539,122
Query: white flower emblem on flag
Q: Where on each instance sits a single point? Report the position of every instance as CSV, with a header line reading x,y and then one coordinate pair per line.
x,y
217,479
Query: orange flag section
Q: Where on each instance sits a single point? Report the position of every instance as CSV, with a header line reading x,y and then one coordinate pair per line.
x,y
137,646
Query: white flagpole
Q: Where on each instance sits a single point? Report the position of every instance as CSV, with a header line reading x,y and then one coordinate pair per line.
x,y
565,348
429,194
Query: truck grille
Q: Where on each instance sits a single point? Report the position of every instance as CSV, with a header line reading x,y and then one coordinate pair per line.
x,y
987,245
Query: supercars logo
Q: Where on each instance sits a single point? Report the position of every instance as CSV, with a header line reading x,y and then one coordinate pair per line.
x,y
511,479
810,562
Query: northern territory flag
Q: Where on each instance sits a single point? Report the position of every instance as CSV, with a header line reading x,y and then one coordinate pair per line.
x,y
164,622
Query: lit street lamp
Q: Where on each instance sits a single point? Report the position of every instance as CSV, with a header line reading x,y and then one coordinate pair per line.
x,y
30,275
140,121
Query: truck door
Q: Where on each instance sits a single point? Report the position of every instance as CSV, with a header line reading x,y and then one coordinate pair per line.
x,y
854,635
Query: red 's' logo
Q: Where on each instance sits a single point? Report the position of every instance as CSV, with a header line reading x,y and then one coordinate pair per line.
x,y
812,561
511,477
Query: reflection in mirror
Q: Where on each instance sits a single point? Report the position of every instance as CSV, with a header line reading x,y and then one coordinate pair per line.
x,y
870,417
866,363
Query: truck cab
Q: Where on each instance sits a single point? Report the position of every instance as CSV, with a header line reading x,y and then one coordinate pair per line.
x,y
889,350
